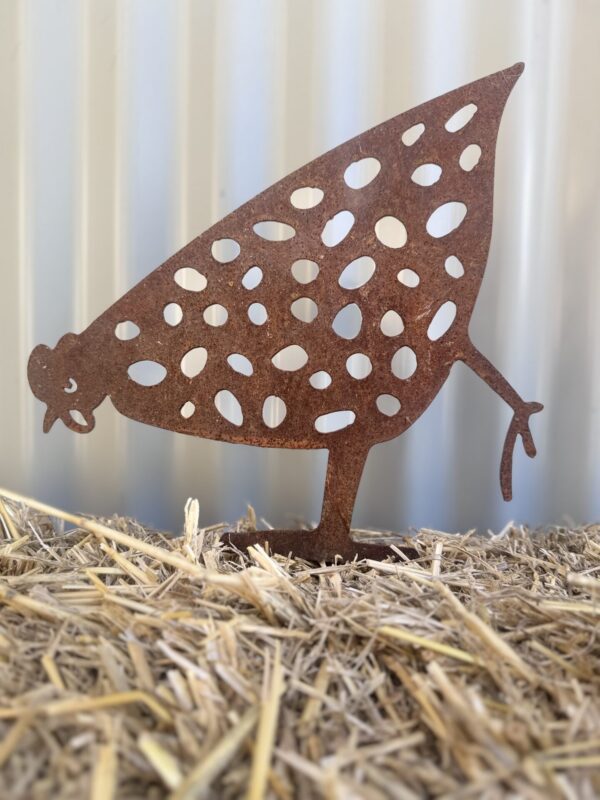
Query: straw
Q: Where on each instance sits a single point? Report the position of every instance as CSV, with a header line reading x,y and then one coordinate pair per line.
x,y
135,664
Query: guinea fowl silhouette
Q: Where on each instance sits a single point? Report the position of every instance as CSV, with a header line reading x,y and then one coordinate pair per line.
x,y
326,312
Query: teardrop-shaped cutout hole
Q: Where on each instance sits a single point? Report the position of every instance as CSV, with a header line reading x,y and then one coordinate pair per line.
x,y
306,197
337,228
426,174
413,134
360,173
215,315
225,250
404,363
290,358
194,362
442,321
460,118
257,314
274,411
359,366
187,410
453,267
304,270
229,407
147,373
320,380
388,404
274,231
391,323
304,309
252,278
391,232
190,279
78,417
348,322
240,364
126,330
445,219
172,314
357,273
409,278
469,158
334,421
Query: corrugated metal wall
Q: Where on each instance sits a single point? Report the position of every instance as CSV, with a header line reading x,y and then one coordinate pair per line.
x,y
129,126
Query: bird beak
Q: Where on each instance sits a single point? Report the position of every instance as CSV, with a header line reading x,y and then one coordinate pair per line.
x,y
49,419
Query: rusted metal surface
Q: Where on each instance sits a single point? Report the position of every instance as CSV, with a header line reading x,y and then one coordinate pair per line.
x,y
398,363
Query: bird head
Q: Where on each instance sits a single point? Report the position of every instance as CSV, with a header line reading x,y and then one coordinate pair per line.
x,y
67,383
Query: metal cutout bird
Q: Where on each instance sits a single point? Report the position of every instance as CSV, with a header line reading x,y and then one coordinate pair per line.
x,y
324,313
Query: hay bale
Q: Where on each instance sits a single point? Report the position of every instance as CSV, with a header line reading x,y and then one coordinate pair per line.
x,y
140,666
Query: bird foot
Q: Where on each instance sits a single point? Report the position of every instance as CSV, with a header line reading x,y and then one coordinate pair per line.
x,y
314,545
519,426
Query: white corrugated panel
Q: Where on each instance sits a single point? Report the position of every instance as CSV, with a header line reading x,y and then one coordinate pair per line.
x,y
129,126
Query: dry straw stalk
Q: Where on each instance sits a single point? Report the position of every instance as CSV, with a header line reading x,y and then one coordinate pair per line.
x,y
137,665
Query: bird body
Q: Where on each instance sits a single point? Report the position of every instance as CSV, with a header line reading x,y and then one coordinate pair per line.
x,y
326,312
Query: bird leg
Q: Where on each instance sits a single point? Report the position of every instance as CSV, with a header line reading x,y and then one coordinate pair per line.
x,y
331,537
519,425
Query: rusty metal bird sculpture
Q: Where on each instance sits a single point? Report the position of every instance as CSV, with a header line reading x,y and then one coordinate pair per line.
x,y
324,313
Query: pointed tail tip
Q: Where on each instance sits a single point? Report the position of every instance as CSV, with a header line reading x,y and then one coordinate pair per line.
x,y
515,71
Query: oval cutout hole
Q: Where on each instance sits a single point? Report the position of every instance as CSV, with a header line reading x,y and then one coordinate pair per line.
x,y
360,173
388,404
215,315
190,279
127,330
194,362
348,322
78,417
304,270
320,380
274,231
357,273
187,410
460,118
404,363
337,228
359,366
147,373
290,358
274,411
172,314
240,363
409,278
426,174
252,278
229,407
225,250
413,134
391,232
442,321
453,267
304,309
334,421
257,314
306,197
445,219
391,323
469,158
